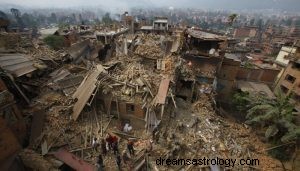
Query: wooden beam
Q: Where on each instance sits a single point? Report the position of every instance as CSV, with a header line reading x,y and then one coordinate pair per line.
x,y
162,110
117,105
172,96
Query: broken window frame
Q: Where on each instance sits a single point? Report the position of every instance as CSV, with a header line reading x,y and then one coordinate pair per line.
x,y
284,89
290,78
296,66
130,108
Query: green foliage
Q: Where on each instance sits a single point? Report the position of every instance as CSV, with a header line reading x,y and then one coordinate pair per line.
x,y
241,100
280,153
29,20
276,115
106,19
248,65
232,18
55,42
63,25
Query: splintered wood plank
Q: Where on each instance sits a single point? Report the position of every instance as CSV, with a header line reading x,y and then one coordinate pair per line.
x,y
85,90
163,91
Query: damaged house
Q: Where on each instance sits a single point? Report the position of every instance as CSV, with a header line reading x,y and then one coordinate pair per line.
x,y
15,89
136,90
203,57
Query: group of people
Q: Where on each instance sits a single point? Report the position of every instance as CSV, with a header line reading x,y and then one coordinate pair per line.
x,y
110,143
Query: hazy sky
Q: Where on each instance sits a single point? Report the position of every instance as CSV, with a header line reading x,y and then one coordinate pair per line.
x,y
212,4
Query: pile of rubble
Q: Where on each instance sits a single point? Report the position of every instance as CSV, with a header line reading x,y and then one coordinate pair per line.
x,y
188,130
199,132
151,46
9,41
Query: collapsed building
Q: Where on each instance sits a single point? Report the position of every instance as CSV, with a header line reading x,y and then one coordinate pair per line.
x,y
128,86
204,55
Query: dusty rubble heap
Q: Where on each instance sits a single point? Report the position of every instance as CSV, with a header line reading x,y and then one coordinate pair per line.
x,y
198,132
76,103
151,46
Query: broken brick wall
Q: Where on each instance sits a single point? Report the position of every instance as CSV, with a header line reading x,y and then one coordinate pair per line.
x,y
229,69
203,47
9,40
132,112
70,38
204,66
267,76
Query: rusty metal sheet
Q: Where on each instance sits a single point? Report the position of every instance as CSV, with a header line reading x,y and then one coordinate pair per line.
x,y
70,81
85,90
163,91
37,125
73,161
16,64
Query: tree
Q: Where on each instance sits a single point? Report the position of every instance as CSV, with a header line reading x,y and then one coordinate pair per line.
x,y
277,116
53,18
54,41
28,20
241,100
4,21
232,18
17,14
106,19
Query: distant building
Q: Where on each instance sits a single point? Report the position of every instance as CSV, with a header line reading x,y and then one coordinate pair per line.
x,y
282,57
128,21
245,32
233,76
272,48
160,23
289,82
295,31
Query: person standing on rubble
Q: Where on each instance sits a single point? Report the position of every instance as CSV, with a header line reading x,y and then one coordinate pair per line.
x,y
149,146
155,134
125,157
103,147
99,163
95,144
115,147
109,139
118,161
130,147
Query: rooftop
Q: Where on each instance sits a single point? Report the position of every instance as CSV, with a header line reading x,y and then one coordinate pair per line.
x,y
205,35
254,87
111,32
161,21
16,64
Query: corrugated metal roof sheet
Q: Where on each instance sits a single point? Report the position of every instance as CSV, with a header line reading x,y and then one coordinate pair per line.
x,y
16,64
